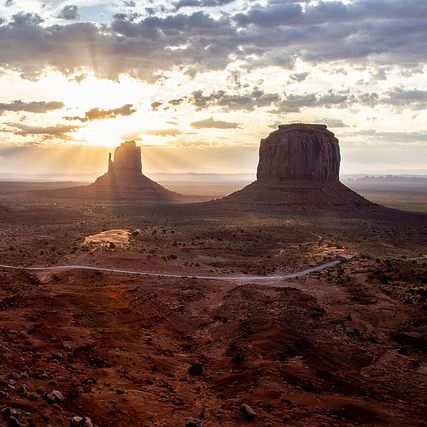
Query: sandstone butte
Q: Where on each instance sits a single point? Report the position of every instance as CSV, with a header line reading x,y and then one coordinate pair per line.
x,y
125,180
299,167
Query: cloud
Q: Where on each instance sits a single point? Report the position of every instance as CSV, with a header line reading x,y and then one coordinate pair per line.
x,y
408,98
202,3
100,114
293,103
69,12
163,132
333,123
49,132
277,14
397,97
299,77
394,137
217,124
31,107
246,101
156,105
378,31
176,102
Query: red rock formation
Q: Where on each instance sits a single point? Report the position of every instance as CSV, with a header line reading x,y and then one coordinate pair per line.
x,y
299,167
127,159
299,151
125,180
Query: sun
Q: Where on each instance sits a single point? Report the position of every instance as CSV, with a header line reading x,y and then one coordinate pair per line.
x,y
103,133
111,132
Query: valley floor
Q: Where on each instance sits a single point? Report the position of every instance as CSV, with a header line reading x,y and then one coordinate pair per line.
x,y
341,346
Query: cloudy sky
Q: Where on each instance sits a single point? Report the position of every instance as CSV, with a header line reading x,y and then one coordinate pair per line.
x,y
198,82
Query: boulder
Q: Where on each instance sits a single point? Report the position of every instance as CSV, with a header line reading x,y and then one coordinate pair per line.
x,y
247,412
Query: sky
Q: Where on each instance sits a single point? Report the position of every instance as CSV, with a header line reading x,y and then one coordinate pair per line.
x,y
198,83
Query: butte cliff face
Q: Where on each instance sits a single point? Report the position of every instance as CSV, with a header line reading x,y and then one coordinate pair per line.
x,y
299,167
127,160
125,180
299,151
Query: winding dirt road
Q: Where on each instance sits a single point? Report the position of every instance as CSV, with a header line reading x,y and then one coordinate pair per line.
x,y
235,278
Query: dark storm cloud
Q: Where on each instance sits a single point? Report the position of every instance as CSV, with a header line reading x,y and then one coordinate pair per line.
x,y
48,132
70,12
380,31
31,107
214,124
100,114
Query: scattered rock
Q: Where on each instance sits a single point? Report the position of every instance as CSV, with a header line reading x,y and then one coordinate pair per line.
x,y
13,422
22,390
81,422
194,422
75,421
32,396
57,356
41,390
247,412
55,397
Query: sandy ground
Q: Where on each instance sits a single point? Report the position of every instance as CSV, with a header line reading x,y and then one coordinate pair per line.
x,y
120,350
339,347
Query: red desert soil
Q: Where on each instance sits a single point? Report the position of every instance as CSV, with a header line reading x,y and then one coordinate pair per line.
x,y
131,351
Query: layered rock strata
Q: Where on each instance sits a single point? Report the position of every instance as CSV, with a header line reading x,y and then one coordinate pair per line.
x,y
125,180
299,167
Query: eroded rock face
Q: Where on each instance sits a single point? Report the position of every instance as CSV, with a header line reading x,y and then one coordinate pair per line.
x,y
299,151
127,159
299,169
125,180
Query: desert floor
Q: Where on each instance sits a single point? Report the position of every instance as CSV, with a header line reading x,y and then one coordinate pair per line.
x,y
342,346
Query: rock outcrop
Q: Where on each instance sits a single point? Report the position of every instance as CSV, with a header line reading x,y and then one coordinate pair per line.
x,y
299,167
299,151
125,180
127,160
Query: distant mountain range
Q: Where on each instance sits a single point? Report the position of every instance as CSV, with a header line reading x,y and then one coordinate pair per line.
x,y
353,181
386,181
